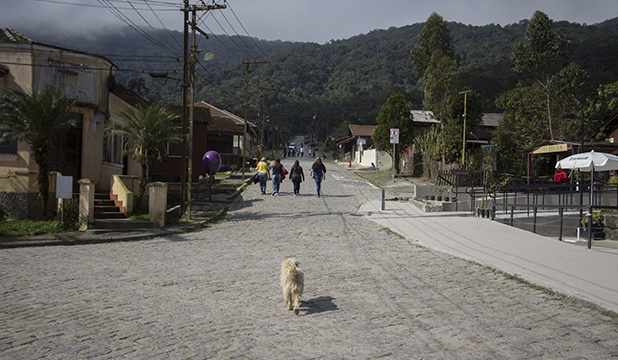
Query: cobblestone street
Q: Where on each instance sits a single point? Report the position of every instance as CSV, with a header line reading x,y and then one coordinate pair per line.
x,y
215,294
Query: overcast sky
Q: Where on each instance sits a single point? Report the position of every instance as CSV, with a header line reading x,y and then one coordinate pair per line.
x,y
295,20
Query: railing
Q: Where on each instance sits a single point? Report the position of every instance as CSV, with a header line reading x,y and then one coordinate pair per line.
x,y
554,197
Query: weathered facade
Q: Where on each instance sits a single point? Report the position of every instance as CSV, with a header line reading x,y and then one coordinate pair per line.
x,y
89,80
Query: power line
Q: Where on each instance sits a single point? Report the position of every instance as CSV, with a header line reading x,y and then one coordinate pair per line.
x,y
161,22
231,38
125,19
238,35
160,3
246,32
147,23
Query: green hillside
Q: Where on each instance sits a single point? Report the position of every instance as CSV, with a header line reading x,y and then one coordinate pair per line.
x,y
341,81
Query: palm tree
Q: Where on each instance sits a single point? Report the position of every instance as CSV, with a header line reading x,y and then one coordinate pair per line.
x,y
40,119
144,135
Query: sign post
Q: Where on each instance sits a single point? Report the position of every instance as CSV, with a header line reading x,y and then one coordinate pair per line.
x,y
394,141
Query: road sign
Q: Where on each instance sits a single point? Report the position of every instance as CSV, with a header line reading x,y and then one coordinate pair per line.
x,y
394,136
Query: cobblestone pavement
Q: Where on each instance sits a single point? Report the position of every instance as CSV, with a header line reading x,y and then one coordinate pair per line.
x,y
215,293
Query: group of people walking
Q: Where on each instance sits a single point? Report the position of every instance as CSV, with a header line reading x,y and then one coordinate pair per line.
x,y
277,173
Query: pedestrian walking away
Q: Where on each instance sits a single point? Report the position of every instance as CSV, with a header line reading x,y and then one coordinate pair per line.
x,y
297,176
318,172
263,173
277,170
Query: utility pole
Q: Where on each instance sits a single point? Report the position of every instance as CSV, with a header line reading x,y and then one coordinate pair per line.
x,y
183,148
263,94
244,136
465,115
191,65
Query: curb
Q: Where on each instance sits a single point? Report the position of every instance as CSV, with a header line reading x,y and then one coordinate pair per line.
x,y
83,239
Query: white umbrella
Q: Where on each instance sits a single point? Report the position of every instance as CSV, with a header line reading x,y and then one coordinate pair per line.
x,y
590,162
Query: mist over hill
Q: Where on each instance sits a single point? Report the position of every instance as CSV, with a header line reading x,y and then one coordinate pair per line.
x,y
340,82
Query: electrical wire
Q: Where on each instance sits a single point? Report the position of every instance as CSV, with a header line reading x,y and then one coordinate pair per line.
x,y
231,38
125,19
246,32
161,3
161,22
238,35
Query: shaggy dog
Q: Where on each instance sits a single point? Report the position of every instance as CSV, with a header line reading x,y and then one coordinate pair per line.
x,y
292,283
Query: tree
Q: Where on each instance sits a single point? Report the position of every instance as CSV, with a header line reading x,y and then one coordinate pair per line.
x,y
436,63
395,114
542,54
435,35
40,119
144,135
522,128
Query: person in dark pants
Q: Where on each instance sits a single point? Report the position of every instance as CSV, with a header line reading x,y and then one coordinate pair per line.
x,y
277,171
263,172
318,172
297,176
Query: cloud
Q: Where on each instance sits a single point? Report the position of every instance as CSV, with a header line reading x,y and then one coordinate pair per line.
x,y
301,20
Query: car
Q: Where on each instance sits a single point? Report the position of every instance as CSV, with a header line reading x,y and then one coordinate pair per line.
x,y
292,146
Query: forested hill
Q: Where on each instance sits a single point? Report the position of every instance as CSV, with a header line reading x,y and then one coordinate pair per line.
x,y
341,81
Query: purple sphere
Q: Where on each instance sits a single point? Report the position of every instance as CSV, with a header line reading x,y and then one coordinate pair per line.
x,y
212,162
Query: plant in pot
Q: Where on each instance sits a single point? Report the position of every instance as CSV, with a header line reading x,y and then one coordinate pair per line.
x,y
447,197
440,190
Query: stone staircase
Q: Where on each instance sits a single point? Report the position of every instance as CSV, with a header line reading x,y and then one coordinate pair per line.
x,y
108,218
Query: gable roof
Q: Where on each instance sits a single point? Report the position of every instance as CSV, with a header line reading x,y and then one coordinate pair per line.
x,y
362,130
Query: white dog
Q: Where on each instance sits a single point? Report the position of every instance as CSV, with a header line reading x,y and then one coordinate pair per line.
x,y
292,283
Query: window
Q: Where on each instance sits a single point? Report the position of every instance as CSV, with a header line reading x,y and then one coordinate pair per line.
x,y
112,147
68,77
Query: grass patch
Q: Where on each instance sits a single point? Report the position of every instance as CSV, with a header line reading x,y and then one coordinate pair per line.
x,y
142,217
16,228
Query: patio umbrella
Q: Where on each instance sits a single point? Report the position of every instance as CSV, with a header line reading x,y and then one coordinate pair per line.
x,y
589,162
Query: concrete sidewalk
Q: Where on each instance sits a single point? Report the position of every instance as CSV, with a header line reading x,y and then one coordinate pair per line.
x,y
589,275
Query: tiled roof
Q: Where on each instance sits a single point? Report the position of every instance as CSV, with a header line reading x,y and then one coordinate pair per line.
x,y
362,130
12,36
200,114
224,125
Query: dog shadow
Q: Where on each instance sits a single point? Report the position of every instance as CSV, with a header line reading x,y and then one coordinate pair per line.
x,y
318,304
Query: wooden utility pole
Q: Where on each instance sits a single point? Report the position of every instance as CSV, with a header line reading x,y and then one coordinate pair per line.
x,y
190,61
263,94
244,136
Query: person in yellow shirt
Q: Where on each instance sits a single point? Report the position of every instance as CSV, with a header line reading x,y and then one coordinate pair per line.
x,y
263,171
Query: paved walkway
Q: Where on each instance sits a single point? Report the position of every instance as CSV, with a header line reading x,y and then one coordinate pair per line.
x,y
559,266
214,294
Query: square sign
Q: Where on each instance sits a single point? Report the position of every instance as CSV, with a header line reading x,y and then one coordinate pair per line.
x,y
64,187
394,136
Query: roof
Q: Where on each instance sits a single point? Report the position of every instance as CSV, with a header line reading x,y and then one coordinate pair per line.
x,y
222,113
491,119
423,116
127,95
224,125
9,36
362,130
488,119
12,36
200,114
